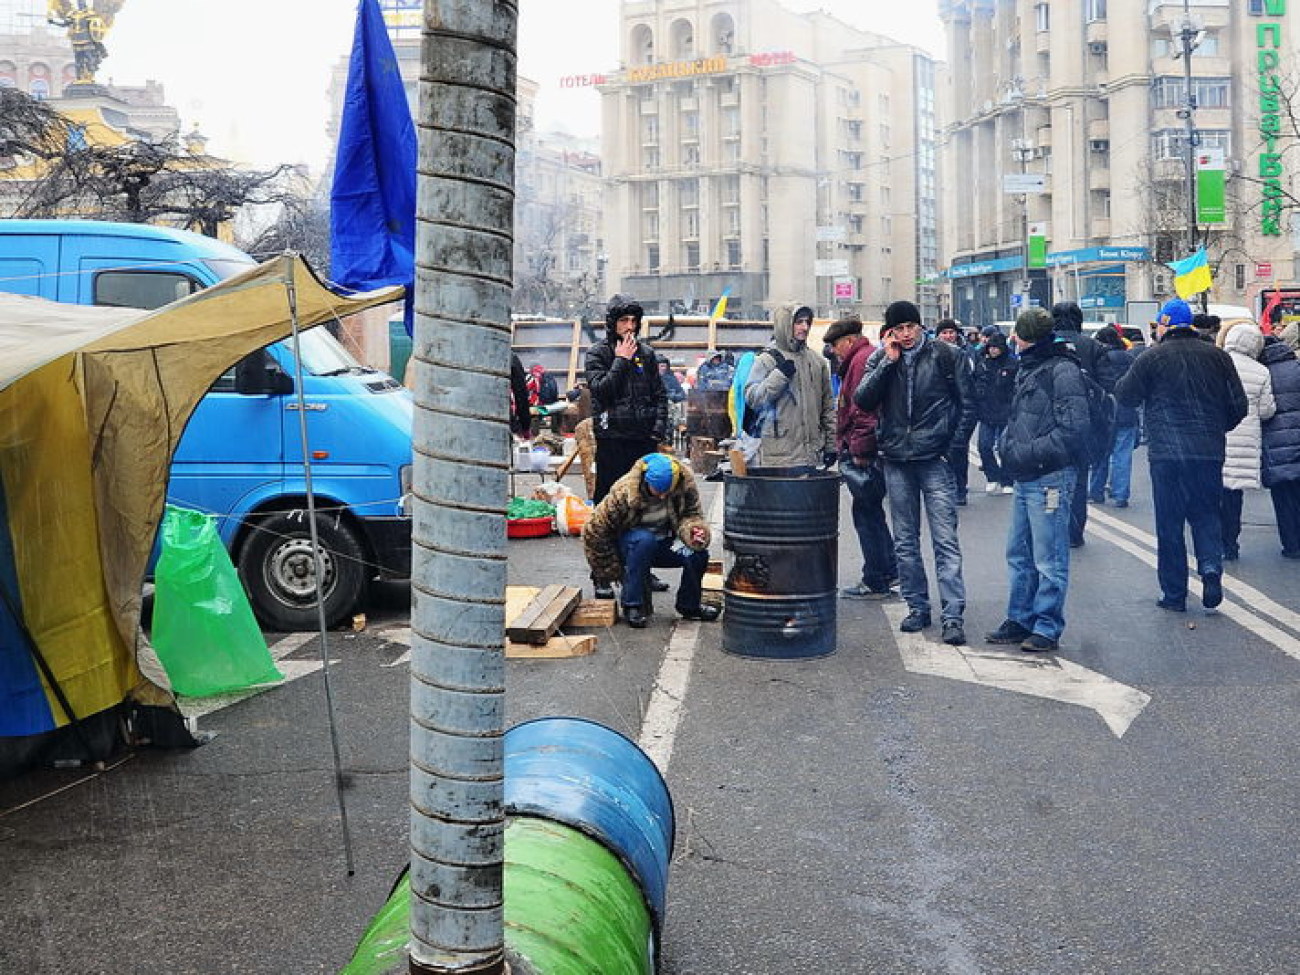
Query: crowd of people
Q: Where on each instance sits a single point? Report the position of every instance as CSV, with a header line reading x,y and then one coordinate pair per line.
x,y
1219,408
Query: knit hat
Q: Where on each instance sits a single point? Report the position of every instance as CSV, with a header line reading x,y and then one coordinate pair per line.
x,y
660,472
898,313
1033,325
1108,336
1178,312
997,341
945,325
845,326
1067,317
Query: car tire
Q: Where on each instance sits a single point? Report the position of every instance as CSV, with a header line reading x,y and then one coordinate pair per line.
x,y
278,570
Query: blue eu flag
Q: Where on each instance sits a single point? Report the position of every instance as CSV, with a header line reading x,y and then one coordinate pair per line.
x,y
372,202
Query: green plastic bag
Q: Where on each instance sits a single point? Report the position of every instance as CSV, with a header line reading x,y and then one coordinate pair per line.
x,y
203,628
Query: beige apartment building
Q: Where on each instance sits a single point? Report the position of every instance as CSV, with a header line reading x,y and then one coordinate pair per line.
x,y
782,156
1083,104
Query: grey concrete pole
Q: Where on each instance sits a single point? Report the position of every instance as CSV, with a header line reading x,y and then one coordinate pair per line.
x,y
461,433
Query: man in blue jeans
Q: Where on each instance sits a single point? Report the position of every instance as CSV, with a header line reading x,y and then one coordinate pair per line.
x,y
926,403
1042,444
1192,397
651,518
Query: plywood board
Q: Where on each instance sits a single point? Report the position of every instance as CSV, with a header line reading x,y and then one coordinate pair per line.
x,y
543,616
554,648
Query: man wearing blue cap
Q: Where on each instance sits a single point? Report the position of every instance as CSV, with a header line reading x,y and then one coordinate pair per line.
x,y
1192,397
651,518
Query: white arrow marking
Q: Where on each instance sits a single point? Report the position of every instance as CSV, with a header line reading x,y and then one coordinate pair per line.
x,y
195,707
1038,675
399,634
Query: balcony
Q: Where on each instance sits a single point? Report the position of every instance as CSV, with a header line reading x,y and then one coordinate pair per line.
x,y
1043,137
1096,32
1098,178
1098,129
1100,228
729,99
1043,42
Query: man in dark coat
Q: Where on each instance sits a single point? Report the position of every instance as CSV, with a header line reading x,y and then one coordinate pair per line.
x,y
1041,446
1067,323
1193,397
926,405
855,439
629,405
1117,467
994,381
1281,460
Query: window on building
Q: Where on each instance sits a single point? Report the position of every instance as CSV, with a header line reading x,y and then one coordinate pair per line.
x,y
652,157
731,189
1042,17
731,220
731,152
691,223
1167,47
691,255
1239,277
649,130
856,221
690,155
649,196
1171,92
1094,10
652,256
730,119
853,160
688,192
691,126
857,192
39,89
650,225
1172,143
733,253
853,130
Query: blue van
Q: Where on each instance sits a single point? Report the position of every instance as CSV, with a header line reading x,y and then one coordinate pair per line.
x,y
240,457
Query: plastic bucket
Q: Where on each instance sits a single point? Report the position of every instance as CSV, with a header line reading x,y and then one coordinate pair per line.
x,y
780,532
591,778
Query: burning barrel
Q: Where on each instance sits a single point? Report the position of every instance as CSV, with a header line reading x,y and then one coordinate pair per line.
x,y
780,530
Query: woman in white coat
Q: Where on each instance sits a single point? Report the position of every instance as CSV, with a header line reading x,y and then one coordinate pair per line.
x,y
1241,466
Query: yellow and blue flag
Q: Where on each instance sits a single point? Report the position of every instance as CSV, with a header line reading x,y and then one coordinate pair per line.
x,y
720,308
1192,274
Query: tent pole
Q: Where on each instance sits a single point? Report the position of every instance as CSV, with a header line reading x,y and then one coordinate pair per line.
x,y
292,294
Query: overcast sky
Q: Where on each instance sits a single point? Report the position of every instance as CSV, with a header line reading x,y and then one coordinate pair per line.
x,y
254,74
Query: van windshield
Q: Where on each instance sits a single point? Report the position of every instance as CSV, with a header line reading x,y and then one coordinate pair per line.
x,y
322,355
224,268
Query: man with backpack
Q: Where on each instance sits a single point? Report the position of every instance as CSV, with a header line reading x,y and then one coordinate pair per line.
x,y
1044,440
789,387
926,405
1067,323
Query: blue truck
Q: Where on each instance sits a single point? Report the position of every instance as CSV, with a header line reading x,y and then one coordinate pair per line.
x,y
240,457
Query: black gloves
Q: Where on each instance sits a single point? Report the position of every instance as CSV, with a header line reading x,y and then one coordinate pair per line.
x,y
786,367
829,457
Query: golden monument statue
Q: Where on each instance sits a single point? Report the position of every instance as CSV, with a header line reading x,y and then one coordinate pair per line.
x,y
87,22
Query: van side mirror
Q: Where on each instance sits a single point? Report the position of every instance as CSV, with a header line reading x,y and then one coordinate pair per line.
x,y
258,374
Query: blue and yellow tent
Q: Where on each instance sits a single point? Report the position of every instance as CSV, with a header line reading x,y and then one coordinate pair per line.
x,y
92,404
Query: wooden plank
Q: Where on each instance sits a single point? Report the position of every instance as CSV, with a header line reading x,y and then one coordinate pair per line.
x,y
738,465
575,344
593,612
555,648
543,616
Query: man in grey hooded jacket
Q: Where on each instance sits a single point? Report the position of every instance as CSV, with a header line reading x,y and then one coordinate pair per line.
x,y
789,385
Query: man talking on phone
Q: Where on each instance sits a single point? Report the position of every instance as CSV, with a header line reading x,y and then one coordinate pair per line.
x,y
926,405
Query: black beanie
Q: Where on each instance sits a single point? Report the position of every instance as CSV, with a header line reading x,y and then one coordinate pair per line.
x,y
899,312
1067,317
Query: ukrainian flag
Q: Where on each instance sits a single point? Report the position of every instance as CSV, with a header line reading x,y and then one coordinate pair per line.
x,y
1192,274
720,308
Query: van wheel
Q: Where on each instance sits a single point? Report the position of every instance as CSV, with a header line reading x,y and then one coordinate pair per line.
x,y
279,572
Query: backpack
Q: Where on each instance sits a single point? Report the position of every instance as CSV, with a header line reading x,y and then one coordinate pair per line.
x,y
548,388
1101,419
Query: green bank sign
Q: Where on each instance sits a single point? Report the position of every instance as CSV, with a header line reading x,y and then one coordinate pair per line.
x,y
1268,55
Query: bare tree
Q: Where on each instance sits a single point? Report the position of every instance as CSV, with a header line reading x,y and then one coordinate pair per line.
x,y
137,181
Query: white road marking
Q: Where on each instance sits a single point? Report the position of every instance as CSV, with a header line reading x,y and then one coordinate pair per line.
x,y
1247,617
402,635
1256,602
1046,675
663,714
194,708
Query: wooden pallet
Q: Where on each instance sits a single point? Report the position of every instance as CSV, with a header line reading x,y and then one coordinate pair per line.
x,y
594,612
543,615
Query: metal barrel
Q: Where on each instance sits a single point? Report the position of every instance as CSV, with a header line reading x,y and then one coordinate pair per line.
x,y
780,530
571,908
589,777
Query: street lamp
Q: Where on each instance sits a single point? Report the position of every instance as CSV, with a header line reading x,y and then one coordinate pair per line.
x,y
1188,36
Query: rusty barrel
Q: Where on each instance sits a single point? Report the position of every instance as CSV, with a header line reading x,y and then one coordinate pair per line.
x,y
780,532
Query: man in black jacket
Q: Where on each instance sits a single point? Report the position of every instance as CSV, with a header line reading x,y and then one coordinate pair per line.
x,y
1067,323
926,405
1044,438
1193,397
629,405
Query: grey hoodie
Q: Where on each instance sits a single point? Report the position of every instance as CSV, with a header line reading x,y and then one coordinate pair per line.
x,y
800,422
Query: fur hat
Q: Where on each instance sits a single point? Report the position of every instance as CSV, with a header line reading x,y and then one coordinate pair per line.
x,y
619,306
1178,312
659,472
845,326
898,313
1033,325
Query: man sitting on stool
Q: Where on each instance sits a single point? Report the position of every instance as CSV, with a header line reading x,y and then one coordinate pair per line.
x,y
651,518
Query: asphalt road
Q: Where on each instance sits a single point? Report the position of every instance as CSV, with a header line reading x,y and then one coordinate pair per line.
x,y
896,807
